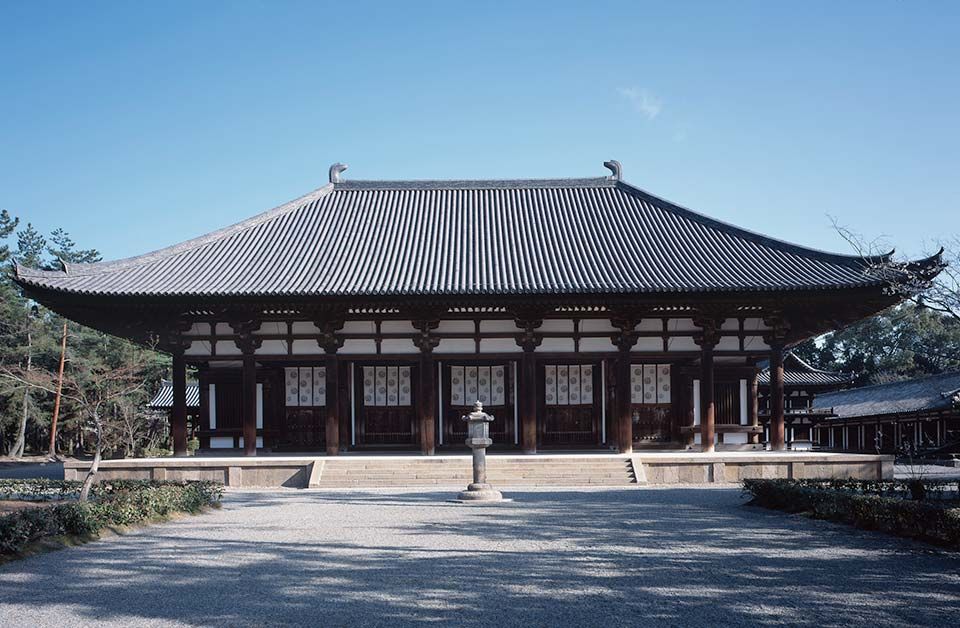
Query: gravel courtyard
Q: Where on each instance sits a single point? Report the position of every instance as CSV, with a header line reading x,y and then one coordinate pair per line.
x,y
690,556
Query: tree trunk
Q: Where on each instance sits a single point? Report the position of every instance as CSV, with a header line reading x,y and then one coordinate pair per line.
x,y
95,465
18,445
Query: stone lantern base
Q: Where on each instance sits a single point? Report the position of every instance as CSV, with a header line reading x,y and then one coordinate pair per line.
x,y
480,493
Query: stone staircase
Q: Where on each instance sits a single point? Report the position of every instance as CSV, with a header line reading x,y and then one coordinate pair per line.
x,y
502,471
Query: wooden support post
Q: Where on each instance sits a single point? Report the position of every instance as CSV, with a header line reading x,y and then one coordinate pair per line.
x,y
527,396
707,338
624,416
178,417
707,404
332,432
777,442
427,405
528,340
753,405
249,396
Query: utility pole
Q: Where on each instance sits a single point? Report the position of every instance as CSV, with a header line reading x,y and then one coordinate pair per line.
x,y
56,403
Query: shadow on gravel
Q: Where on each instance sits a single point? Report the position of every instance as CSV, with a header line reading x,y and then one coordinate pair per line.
x,y
605,557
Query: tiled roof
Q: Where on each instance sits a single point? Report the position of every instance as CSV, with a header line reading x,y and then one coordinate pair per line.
x,y
163,400
456,238
936,392
797,372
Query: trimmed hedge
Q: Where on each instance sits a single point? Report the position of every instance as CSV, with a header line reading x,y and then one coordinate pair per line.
x,y
113,503
865,505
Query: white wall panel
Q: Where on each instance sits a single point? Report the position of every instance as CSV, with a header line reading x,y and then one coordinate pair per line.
x,y
397,327
558,325
728,343
271,328
306,347
353,345
498,326
648,344
456,345
650,324
305,327
682,343
359,327
273,347
198,347
228,347
499,345
455,327
398,345
556,344
596,325
596,344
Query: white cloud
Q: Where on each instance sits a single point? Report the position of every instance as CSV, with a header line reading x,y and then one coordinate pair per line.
x,y
643,101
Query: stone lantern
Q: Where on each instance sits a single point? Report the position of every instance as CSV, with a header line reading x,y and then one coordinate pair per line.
x,y
478,439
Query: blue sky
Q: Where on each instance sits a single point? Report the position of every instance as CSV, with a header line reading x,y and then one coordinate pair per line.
x,y
138,125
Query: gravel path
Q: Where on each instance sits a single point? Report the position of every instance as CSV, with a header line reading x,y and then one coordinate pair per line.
x,y
667,556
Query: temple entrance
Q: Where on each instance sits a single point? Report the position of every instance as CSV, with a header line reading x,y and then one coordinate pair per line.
x,y
491,383
386,410
569,403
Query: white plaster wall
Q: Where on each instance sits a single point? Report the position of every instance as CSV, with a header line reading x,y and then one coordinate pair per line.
x,y
223,329
650,324
456,345
682,343
305,327
398,345
647,344
728,343
555,345
306,347
198,329
397,327
273,347
696,402
681,324
596,344
353,345
228,347
198,347
735,438
557,326
589,325
259,442
455,327
221,442
498,326
754,343
271,328
499,345
359,327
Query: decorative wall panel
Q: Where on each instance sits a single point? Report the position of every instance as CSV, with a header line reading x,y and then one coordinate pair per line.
x,y
387,386
305,386
568,384
649,383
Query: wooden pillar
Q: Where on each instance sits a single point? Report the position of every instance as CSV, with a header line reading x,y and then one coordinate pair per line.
x,y
624,416
753,405
707,338
528,340
332,435
527,396
707,403
777,442
178,418
428,403
249,396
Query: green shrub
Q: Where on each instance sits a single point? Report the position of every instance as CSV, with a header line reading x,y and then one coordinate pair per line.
x,y
872,506
122,502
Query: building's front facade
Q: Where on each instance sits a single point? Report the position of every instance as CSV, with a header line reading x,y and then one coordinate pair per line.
x,y
370,315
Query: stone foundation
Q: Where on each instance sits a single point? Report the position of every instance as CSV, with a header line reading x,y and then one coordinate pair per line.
x,y
369,471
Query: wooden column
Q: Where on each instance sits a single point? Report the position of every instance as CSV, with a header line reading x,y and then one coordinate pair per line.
x,y
178,418
528,340
707,404
248,343
330,342
753,405
707,338
426,341
428,404
624,416
332,436
626,321
248,392
777,428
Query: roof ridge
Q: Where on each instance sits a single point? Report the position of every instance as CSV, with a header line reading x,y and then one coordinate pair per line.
x,y
401,184
759,238
96,268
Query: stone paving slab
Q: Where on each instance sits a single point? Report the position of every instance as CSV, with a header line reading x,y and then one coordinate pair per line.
x,y
584,557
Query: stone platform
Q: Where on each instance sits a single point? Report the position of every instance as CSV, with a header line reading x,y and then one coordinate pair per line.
x,y
586,469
